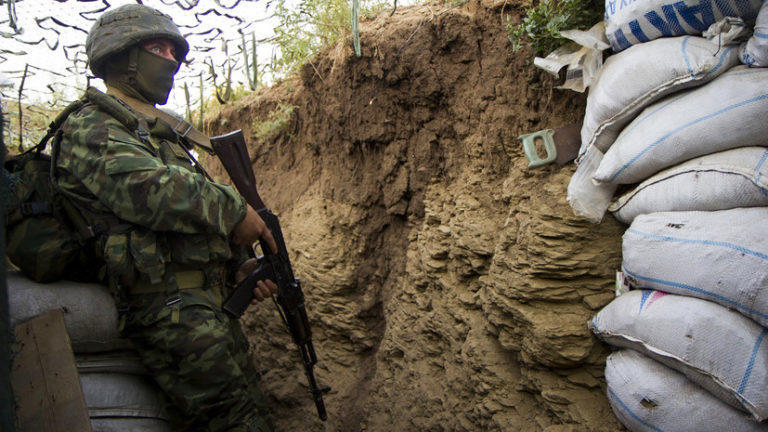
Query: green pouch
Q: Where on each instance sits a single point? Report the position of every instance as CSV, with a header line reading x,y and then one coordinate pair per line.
x,y
118,257
149,256
43,249
40,242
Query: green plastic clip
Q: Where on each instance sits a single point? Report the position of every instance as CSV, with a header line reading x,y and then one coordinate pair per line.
x,y
529,146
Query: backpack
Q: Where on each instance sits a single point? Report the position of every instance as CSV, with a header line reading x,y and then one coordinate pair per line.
x,y
48,237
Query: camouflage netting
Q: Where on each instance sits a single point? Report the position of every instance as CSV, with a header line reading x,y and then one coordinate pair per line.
x,y
42,51
449,285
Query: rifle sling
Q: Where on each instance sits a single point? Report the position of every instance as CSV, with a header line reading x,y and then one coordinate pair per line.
x,y
183,128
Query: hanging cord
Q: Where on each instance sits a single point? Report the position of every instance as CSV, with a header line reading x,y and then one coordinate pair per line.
x,y
356,25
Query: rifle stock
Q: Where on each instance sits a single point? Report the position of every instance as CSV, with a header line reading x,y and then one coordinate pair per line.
x,y
233,153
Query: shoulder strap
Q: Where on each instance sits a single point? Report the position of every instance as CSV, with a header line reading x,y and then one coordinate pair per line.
x,y
132,122
180,127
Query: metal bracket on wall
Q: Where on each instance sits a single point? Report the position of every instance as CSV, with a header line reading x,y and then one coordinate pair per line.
x,y
529,146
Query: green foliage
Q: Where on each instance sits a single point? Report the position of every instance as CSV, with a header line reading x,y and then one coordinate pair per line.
x,y
303,29
210,107
277,122
545,20
311,26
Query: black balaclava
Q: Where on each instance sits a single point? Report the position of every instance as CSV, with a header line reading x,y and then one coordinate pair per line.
x,y
141,74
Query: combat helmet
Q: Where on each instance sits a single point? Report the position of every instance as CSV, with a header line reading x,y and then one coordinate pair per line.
x,y
125,26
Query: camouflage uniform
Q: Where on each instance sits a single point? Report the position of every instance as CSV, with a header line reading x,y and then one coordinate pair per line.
x,y
167,257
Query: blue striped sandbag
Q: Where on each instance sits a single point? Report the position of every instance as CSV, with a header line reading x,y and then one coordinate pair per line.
x,y
631,22
717,348
719,256
647,396
726,113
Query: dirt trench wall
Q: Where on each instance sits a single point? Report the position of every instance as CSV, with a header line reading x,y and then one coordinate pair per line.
x,y
448,285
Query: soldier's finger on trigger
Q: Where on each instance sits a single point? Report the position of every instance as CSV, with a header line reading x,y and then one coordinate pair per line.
x,y
270,240
251,264
263,289
270,287
257,294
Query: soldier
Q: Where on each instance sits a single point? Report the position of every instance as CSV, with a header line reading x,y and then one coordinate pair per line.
x,y
171,241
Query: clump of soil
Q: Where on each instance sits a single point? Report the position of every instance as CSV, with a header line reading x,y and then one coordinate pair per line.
x,y
449,286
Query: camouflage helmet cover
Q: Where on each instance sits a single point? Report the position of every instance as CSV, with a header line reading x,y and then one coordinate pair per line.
x,y
120,28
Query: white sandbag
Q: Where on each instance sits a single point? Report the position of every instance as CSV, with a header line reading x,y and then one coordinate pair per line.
x,y
129,424
125,403
587,198
632,22
715,347
755,52
726,113
121,361
633,79
647,396
720,181
718,256
90,314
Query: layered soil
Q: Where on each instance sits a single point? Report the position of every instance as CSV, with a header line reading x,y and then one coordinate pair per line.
x,y
449,286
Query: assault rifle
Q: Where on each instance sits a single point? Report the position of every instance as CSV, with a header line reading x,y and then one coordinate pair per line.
x,y
233,153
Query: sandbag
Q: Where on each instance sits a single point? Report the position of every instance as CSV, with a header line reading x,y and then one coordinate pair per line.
x,y
90,314
587,198
632,22
129,424
120,361
633,79
647,396
715,347
754,53
718,256
720,181
122,402
728,112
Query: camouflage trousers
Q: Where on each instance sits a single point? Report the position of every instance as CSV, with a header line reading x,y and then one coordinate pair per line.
x,y
199,358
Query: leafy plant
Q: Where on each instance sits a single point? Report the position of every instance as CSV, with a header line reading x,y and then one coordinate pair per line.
x,y
312,25
277,122
544,21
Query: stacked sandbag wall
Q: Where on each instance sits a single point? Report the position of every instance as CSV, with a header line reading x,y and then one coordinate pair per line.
x,y
679,124
119,394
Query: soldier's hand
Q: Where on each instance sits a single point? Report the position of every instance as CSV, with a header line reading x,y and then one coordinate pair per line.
x,y
251,229
263,289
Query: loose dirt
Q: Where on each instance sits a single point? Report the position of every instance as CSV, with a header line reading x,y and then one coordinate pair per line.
x,y
449,286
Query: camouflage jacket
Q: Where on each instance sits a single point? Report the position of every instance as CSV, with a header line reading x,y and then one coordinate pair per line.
x,y
157,208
